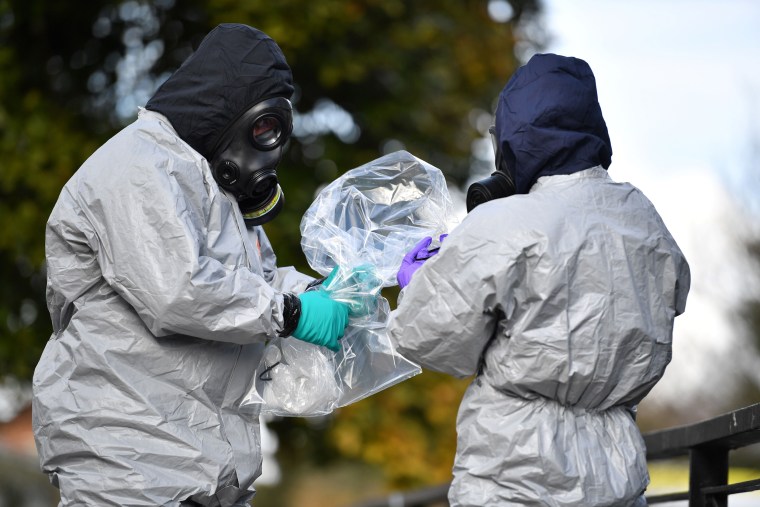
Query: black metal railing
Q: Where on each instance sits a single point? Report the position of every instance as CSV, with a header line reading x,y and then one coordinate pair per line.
x,y
706,444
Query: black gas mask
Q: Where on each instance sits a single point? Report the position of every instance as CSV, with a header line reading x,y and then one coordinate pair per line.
x,y
496,186
244,160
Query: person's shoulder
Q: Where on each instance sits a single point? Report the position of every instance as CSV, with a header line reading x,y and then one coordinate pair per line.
x,y
496,223
145,149
153,127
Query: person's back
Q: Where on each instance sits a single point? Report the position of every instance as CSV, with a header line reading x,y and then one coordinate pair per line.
x,y
582,340
560,298
585,328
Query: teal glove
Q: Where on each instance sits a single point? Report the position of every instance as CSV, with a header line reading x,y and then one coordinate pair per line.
x,y
326,283
323,282
322,321
363,282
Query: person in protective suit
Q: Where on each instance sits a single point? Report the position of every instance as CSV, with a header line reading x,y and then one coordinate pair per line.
x,y
558,291
163,290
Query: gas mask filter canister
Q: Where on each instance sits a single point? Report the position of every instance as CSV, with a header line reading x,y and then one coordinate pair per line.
x,y
245,158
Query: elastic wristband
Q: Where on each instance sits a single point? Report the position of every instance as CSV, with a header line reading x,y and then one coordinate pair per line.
x,y
291,314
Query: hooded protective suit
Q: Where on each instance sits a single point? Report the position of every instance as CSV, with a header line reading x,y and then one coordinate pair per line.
x,y
161,300
560,299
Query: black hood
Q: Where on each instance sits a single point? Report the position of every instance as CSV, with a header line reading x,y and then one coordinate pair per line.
x,y
234,67
548,120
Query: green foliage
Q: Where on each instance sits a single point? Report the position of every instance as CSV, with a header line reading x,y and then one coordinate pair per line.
x,y
40,148
38,159
52,117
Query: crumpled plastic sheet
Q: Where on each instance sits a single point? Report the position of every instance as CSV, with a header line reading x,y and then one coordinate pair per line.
x,y
364,222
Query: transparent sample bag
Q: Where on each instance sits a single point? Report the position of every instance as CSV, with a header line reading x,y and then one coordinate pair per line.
x,y
364,222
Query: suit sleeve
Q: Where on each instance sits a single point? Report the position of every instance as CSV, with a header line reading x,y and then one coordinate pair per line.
x,y
446,316
149,234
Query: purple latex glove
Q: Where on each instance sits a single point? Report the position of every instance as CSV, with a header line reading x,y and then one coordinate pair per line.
x,y
415,259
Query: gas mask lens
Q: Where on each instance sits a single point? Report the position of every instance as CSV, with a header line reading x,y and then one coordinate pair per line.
x,y
267,132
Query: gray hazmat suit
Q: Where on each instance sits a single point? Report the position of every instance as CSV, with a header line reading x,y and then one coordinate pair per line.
x,y
560,299
161,301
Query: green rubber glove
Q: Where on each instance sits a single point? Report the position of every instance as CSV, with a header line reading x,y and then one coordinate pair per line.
x,y
365,284
326,283
322,321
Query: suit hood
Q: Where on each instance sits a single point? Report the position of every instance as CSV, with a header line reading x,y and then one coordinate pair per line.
x,y
234,67
548,120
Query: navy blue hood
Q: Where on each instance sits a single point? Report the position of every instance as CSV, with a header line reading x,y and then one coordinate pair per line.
x,y
548,120
235,67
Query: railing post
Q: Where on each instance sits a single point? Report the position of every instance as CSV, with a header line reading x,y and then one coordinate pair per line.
x,y
708,466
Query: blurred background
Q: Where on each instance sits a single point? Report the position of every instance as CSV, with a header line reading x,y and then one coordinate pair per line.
x,y
679,85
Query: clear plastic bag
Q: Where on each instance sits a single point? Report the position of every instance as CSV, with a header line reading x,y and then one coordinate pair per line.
x,y
374,214
364,222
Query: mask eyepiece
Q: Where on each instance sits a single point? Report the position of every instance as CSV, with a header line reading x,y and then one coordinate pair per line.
x,y
267,132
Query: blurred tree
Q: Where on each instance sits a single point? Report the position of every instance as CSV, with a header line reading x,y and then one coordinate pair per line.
x,y
65,73
752,309
749,392
373,76
750,189
746,187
